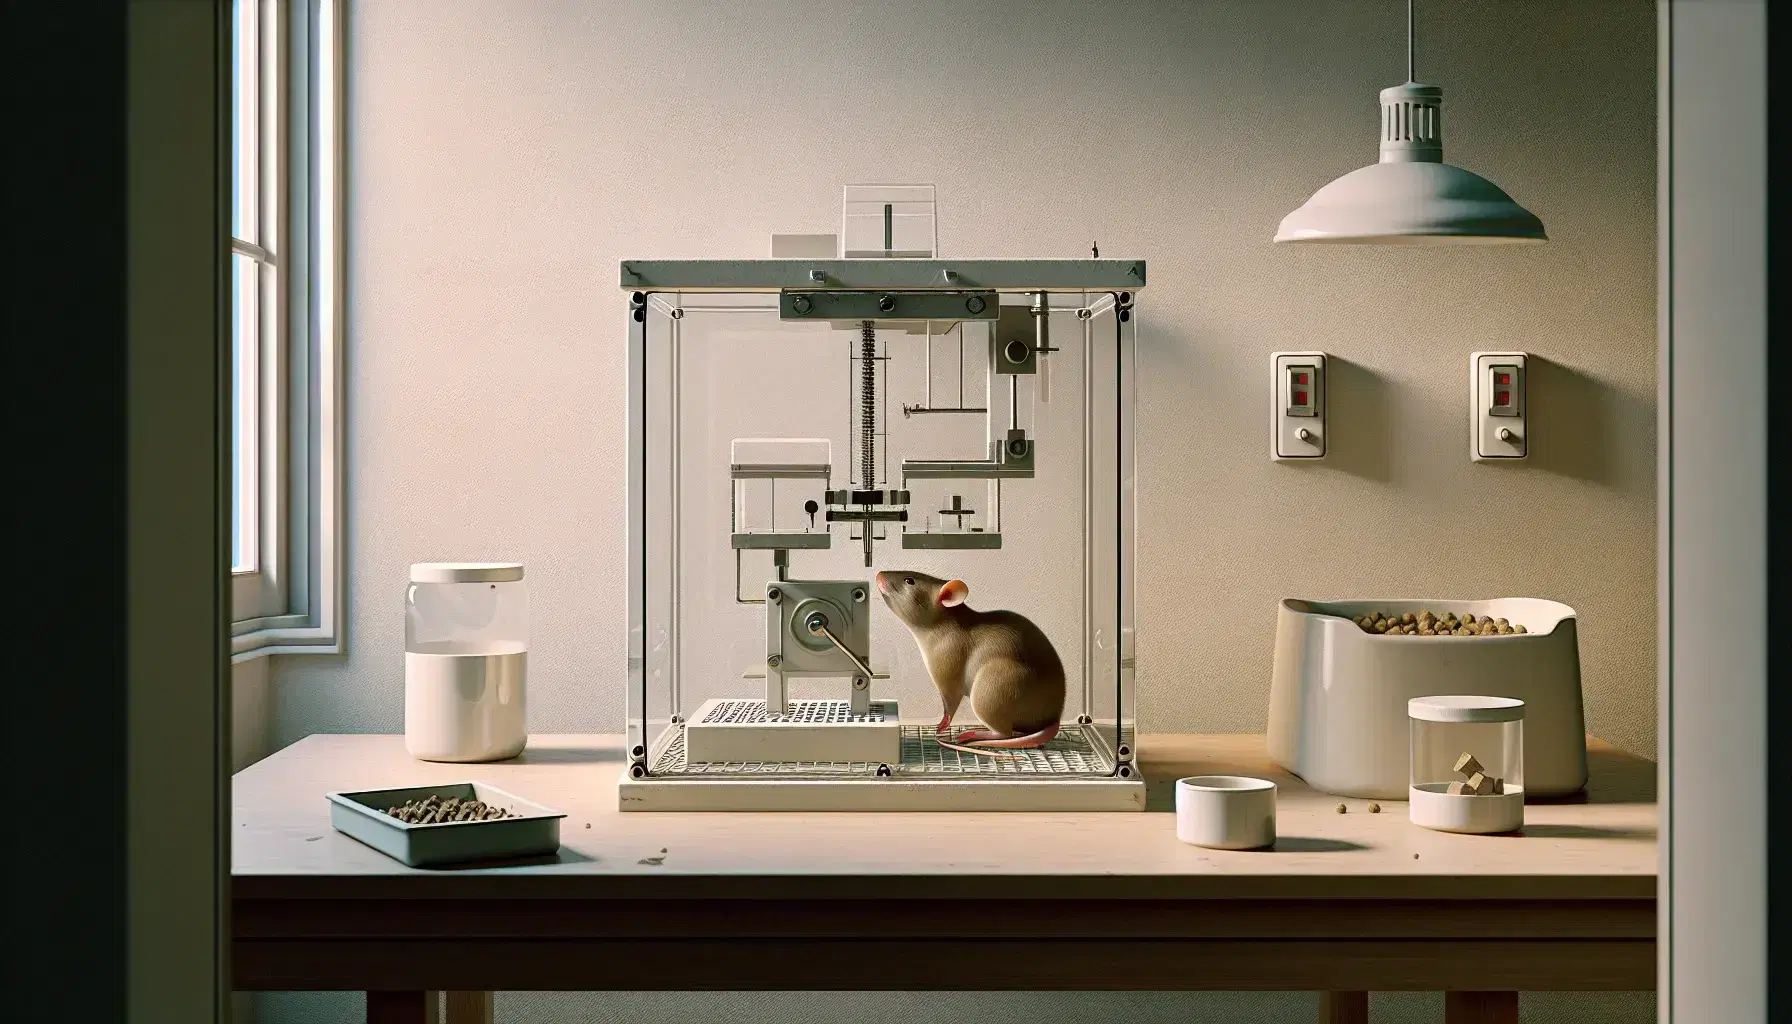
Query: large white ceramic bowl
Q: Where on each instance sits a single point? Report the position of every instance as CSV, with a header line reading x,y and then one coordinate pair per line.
x,y
1337,699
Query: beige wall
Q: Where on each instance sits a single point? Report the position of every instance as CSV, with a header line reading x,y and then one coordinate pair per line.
x,y
506,155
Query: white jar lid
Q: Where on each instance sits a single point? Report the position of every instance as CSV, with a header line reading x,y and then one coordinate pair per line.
x,y
466,572
1465,709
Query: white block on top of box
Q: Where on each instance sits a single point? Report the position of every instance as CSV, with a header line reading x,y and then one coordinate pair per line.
x,y
739,732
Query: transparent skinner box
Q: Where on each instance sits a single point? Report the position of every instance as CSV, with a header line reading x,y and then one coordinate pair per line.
x,y
797,426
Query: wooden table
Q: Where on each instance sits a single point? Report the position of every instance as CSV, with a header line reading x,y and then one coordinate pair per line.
x,y
1345,903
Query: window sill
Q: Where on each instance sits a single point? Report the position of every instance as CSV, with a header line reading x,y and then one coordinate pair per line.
x,y
280,634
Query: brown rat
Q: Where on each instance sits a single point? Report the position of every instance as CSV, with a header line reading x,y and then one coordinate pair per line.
x,y
1014,676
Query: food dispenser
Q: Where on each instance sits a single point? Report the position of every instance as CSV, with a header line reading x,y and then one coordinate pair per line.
x,y
1466,763
1339,692
465,661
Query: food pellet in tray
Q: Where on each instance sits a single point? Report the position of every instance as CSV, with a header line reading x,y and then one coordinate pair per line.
x,y
1428,623
434,810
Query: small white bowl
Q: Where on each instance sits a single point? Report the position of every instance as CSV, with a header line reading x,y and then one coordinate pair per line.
x,y
1434,806
1226,812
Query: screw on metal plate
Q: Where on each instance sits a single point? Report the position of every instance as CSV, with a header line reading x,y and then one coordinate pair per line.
x,y
1084,313
775,660
1125,751
858,595
858,682
1017,447
1084,720
950,275
975,303
1505,433
1304,434
637,771
639,751
801,304
886,303
818,276
774,594
678,314
677,719
1126,771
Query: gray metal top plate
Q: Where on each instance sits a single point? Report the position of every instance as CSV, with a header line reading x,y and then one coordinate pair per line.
x,y
777,275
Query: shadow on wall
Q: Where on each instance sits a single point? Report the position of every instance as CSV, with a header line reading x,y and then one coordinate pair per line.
x,y
1576,419
1359,403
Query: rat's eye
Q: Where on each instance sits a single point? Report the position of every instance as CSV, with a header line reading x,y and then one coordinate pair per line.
x,y
910,580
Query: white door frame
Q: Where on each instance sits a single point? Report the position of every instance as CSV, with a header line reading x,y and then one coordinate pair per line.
x,y
1712,510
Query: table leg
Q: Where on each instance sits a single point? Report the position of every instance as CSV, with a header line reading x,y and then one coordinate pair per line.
x,y
469,1008
401,1008
1343,1008
1480,1008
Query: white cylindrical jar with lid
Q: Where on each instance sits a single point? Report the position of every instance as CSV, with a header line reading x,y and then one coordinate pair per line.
x,y
465,662
1467,763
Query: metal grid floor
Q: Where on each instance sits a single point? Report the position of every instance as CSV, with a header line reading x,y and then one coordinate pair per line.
x,y
1074,752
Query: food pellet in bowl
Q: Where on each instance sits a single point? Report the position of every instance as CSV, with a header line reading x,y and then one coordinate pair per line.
x,y
434,810
1427,623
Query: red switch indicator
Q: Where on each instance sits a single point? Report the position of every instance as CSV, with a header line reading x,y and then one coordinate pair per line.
x,y
1300,398
1502,379
1502,398
1301,378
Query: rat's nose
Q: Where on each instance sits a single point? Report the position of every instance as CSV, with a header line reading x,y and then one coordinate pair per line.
x,y
883,585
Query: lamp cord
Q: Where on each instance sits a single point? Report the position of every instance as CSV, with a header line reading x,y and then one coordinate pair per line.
x,y
1410,74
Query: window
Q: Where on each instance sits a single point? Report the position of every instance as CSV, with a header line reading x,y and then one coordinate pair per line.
x,y
285,287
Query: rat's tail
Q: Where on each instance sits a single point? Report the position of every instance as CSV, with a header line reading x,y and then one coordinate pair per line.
x,y
974,750
990,740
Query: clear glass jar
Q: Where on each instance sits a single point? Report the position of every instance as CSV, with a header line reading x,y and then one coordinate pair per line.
x,y
466,652
1466,763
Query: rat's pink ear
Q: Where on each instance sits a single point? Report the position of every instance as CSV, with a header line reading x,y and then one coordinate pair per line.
x,y
953,593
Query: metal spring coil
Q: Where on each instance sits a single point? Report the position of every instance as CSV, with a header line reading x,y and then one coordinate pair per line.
x,y
867,405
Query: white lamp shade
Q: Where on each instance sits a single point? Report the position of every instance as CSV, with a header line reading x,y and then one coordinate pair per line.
x,y
1412,203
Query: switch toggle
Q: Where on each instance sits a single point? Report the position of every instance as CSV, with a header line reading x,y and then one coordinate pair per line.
x,y
1497,413
1297,405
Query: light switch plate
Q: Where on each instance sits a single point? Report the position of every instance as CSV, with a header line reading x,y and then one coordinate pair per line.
x,y
1498,406
1297,406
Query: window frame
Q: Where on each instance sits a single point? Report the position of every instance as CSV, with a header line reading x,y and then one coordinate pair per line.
x,y
291,601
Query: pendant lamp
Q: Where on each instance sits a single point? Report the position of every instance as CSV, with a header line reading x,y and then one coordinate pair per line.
x,y
1411,197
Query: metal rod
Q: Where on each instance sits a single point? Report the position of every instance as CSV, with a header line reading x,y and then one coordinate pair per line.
x,y
1410,73
961,364
920,410
1014,401
890,223
929,399
819,627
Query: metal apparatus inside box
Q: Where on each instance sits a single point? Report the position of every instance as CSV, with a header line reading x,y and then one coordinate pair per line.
x,y
796,425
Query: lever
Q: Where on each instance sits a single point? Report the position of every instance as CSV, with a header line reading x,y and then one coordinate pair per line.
x,y
818,626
